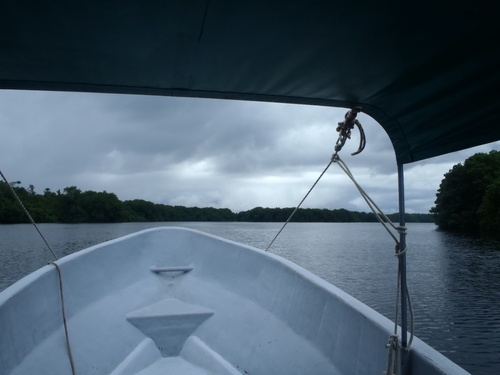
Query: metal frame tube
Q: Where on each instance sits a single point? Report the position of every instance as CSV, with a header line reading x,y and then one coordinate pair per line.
x,y
402,263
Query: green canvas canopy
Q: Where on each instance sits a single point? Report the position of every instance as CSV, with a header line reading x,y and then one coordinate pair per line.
x,y
428,72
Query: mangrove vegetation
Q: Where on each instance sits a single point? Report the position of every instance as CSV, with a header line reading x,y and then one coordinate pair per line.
x,y
71,205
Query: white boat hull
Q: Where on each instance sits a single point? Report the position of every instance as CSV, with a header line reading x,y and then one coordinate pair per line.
x,y
239,310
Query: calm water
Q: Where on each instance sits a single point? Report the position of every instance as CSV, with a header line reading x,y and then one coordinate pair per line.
x,y
454,281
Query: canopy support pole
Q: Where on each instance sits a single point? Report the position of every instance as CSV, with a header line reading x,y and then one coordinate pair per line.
x,y
402,264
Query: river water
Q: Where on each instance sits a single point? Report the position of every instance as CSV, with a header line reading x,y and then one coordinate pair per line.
x,y
454,281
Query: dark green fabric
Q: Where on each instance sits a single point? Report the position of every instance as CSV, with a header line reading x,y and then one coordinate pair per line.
x,y
427,72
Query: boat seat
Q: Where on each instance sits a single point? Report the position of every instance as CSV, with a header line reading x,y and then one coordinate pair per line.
x,y
170,346
169,323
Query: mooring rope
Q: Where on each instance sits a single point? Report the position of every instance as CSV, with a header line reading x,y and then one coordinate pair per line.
x,y
408,300
65,323
379,214
59,273
296,208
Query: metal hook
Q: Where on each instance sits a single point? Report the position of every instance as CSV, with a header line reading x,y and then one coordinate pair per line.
x,y
345,127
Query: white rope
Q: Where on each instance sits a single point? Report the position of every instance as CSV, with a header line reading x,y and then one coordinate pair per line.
x,y
412,320
394,344
65,323
393,367
379,214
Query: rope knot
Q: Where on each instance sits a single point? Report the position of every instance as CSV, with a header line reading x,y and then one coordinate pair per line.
x,y
398,252
393,342
392,355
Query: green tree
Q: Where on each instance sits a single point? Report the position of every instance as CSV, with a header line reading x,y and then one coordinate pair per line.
x,y
101,207
462,193
489,211
9,211
70,206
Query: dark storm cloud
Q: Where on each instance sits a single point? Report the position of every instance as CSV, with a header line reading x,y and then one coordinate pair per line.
x,y
202,152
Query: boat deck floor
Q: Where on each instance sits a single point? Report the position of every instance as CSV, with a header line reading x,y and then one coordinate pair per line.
x,y
196,358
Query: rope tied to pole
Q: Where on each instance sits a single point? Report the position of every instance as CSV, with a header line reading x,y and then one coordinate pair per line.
x,y
388,225
345,128
394,347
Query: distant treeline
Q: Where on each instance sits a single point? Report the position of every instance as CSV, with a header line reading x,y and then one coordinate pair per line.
x,y
322,215
74,206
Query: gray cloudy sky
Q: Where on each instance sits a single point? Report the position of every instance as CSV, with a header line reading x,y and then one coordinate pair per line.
x,y
206,153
